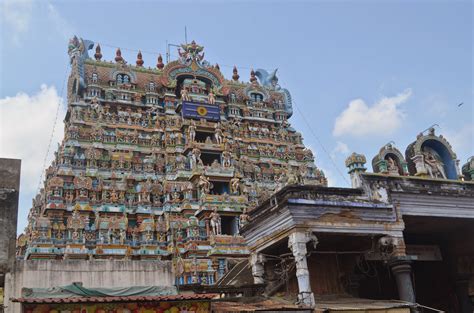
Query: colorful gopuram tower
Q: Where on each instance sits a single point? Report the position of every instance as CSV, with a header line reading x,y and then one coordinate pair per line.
x,y
164,163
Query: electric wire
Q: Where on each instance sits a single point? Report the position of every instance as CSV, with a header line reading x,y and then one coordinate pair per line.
x,y
164,53
53,129
321,144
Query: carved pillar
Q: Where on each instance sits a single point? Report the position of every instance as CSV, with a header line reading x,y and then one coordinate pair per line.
x,y
401,269
257,261
297,243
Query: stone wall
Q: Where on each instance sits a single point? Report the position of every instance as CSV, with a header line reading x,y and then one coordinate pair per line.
x,y
100,273
9,190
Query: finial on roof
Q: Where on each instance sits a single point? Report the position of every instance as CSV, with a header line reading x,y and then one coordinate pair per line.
x,y
160,64
253,79
118,55
139,59
236,74
97,54
218,67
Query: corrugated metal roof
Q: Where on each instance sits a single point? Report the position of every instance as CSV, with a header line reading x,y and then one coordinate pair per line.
x,y
334,304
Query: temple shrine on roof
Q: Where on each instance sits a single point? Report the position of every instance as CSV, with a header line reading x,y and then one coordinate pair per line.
x,y
164,163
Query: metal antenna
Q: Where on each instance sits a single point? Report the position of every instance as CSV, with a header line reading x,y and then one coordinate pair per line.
x,y
185,35
432,126
168,54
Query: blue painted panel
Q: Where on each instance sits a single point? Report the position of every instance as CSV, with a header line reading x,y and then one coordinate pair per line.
x,y
200,110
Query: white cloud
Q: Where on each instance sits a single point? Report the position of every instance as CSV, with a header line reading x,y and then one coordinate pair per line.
x,y
16,17
340,149
25,130
382,118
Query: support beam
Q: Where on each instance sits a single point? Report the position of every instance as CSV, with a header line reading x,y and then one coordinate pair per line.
x,y
297,243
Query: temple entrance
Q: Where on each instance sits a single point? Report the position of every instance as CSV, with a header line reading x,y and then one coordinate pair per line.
x,y
446,283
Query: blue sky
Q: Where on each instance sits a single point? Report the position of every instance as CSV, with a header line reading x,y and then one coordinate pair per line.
x,y
362,73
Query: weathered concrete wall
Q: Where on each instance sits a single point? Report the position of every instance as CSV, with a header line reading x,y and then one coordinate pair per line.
x,y
9,191
103,273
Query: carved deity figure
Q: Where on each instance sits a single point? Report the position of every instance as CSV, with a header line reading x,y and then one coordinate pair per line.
x,y
380,193
215,220
123,236
185,95
192,131
392,166
180,162
302,172
226,158
219,135
211,98
113,196
204,184
75,235
234,185
95,105
196,158
244,218
215,164
433,165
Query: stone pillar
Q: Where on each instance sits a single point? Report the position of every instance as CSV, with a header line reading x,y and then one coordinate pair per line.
x,y
401,269
297,243
462,293
257,261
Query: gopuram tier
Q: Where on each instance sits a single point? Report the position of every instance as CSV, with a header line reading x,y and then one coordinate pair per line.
x,y
164,163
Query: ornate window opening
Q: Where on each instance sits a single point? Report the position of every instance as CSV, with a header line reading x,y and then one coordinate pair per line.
x,y
203,136
122,79
229,225
256,97
220,188
208,158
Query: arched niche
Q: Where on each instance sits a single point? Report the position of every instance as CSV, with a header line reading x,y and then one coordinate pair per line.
x,y
181,78
113,75
389,161
447,157
177,71
432,156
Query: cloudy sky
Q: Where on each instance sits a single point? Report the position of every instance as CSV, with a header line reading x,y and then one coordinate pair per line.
x,y
361,73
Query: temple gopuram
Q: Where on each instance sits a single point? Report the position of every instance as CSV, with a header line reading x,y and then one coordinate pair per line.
x,y
176,190
164,163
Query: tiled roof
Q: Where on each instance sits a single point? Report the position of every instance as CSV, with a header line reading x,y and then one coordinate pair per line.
x,y
181,297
